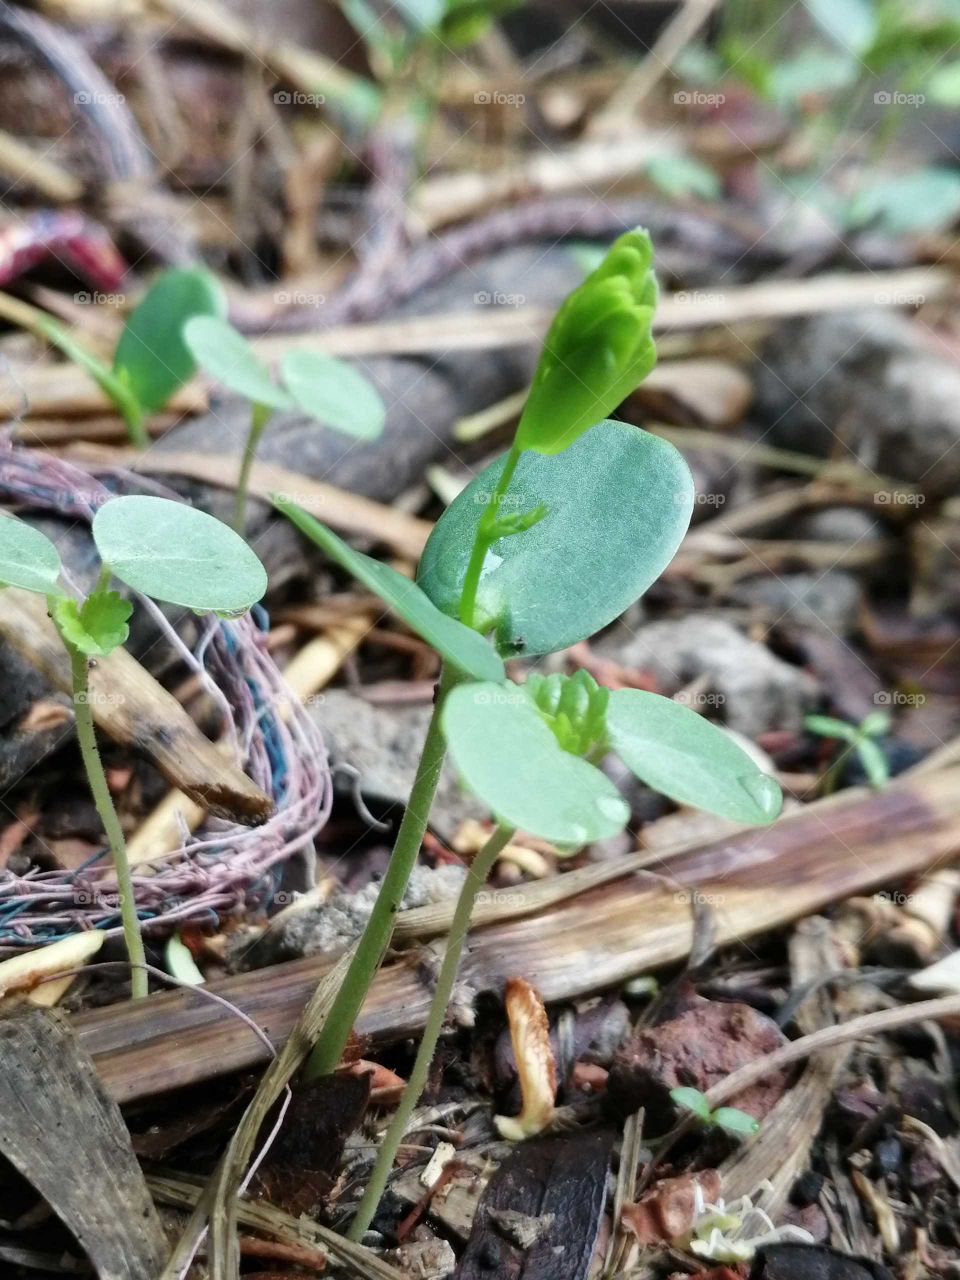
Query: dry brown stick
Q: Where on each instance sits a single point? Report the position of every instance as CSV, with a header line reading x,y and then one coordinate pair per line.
x,y
342,510
869,1024
134,710
759,880
21,163
66,391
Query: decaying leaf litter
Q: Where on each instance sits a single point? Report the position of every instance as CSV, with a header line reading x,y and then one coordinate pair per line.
x,y
674,1042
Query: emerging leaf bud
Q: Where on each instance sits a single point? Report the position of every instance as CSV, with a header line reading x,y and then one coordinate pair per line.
x,y
598,349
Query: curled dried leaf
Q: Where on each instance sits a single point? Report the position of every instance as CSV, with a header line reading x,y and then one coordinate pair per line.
x,y
536,1068
669,1209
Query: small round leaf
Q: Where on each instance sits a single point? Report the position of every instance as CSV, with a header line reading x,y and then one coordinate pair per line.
x,y
678,753
228,357
464,648
736,1122
692,1100
176,553
335,393
152,359
28,558
618,503
506,754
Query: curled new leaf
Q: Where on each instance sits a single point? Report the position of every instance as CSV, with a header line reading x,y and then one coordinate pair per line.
x,y
28,558
507,755
599,347
97,626
175,553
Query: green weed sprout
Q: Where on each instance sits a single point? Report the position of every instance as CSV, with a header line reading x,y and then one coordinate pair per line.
x,y
151,360
732,1121
860,739
546,546
164,549
324,388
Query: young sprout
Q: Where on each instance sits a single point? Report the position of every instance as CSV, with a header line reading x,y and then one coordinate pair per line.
x,y
544,548
729,1119
861,740
324,388
151,360
165,550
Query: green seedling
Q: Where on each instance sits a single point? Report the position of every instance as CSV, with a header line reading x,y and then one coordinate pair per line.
x,y
729,1119
151,360
547,545
165,550
326,389
860,739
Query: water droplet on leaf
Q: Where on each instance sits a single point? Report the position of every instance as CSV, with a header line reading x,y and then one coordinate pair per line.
x,y
764,791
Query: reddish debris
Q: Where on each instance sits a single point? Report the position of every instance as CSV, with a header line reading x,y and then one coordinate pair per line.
x,y
698,1049
667,1211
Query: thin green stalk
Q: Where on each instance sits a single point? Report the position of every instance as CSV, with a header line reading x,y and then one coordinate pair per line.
x,y
258,420
484,540
90,752
373,945
476,877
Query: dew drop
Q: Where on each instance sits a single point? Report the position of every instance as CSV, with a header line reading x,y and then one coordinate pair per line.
x,y
764,791
614,808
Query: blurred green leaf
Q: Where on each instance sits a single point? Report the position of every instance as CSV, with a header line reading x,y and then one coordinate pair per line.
x,y
683,175
926,200
830,727
812,71
151,357
874,762
692,1100
734,1121
28,558
851,24
334,393
227,356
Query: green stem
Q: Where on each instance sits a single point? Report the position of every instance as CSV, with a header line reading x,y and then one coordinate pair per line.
x,y
460,926
485,539
258,420
376,936
90,752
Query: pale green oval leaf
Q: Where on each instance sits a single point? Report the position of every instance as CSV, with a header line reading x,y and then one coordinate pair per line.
x,y
334,393
943,87
875,764
465,649
692,1100
506,754
851,24
173,552
618,504
152,359
28,558
226,355
735,1122
678,753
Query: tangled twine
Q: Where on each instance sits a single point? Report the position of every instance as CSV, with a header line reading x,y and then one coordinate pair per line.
x,y
226,868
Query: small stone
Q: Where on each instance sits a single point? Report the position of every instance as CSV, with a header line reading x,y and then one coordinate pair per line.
x,y
698,1049
825,601
753,690
813,1262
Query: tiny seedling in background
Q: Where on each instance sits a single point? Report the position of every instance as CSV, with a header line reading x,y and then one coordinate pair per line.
x,y
165,550
861,740
729,1119
151,360
322,387
546,546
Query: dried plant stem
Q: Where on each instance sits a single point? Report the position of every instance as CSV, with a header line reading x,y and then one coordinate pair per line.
x,y
376,936
476,877
90,752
